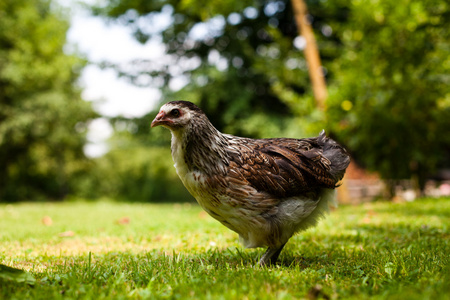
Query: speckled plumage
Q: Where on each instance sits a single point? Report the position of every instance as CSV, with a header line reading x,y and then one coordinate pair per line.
x,y
266,190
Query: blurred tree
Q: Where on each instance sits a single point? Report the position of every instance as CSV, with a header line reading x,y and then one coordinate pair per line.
x,y
238,57
42,117
137,168
391,100
386,64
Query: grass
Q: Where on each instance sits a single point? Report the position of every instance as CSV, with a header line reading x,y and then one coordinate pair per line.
x,y
114,250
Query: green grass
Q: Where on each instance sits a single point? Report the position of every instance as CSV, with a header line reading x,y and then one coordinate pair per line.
x,y
378,251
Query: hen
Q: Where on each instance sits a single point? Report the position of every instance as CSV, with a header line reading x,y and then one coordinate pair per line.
x,y
266,190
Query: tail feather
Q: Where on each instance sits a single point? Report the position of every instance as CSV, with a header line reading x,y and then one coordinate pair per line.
x,y
336,154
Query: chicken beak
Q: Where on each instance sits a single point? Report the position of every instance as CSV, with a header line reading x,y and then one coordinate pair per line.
x,y
158,119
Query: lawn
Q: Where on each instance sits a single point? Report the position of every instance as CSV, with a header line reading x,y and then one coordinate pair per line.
x,y
101,250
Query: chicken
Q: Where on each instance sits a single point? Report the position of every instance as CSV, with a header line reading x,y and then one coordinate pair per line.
x,y
266,190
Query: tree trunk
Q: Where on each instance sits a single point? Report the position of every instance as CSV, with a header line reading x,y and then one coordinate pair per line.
x,y
311,53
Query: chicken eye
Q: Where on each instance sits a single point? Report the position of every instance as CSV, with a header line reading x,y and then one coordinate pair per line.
x,y
175,113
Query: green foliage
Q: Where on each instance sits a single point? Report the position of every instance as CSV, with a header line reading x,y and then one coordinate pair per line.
x,y
387,70
138,167
243,73
42,117
375,251
391,101
139,174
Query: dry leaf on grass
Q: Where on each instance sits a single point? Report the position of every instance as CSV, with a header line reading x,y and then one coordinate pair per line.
x,y
66,234
123,221
47,221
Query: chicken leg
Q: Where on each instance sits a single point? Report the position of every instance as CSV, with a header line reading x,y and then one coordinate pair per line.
x,y
270,256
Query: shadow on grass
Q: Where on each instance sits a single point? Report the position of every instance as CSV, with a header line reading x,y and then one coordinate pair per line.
x,y
324,250
240,257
